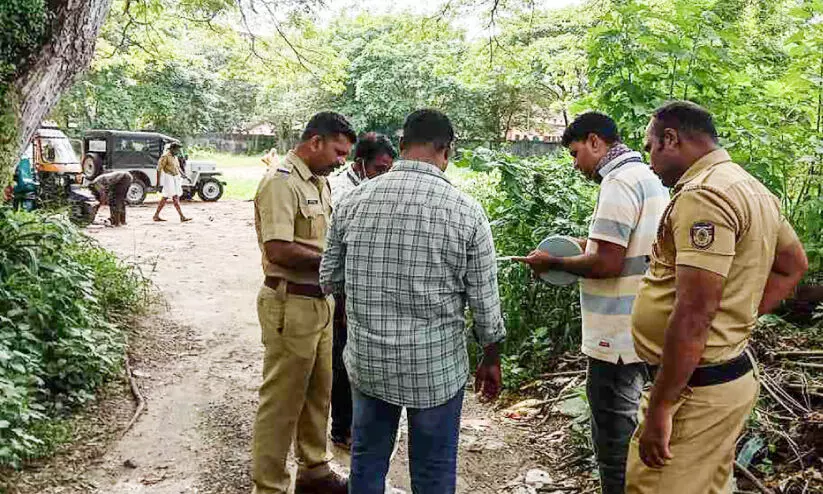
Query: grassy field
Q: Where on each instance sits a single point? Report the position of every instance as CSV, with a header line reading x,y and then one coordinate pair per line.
x,y
242,173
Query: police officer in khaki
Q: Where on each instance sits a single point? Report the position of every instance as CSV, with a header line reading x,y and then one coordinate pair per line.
x,y
723,255
292,211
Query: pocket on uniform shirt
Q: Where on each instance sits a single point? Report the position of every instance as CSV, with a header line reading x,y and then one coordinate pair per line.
x,y
311,222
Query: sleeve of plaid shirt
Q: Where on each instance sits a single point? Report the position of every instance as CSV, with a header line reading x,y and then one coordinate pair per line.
x,y
333,265
481,285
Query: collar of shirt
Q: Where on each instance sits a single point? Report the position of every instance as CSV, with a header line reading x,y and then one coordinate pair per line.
x,y
618,155
419,167
299,166
715,157
354,179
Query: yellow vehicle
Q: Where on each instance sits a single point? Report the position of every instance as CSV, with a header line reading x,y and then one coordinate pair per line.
x,y
56,163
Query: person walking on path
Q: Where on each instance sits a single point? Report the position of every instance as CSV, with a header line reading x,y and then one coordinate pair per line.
x,y
112,188
373,156
292,208
723,255
630,203
169,177
409,250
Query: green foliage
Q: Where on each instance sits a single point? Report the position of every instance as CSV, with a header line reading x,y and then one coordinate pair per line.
x,y
186,70
528,199
757,66
24,25
60,298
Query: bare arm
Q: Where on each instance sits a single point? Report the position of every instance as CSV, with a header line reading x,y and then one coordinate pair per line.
x,y
790,264
698,295
293,255
604,260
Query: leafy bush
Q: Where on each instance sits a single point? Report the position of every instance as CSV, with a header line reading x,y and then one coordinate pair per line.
x,y
24,24
60,297
526,200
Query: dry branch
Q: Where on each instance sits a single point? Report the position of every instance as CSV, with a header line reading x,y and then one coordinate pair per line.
x,y
754,480
135,391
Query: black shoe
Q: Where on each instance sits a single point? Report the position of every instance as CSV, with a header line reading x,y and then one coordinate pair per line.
x,y
333,483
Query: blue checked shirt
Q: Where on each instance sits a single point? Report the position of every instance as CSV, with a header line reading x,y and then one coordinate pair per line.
x,y
410,251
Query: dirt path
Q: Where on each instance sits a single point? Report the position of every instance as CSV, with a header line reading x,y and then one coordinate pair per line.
x,y
195,434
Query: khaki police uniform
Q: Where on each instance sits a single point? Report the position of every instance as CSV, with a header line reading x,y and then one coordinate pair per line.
x,y
169,164
292,205
720,219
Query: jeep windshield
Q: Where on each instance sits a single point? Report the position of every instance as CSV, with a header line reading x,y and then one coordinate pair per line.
x,y
58,150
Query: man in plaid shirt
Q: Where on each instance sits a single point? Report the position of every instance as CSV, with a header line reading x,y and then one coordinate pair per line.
x,y
409,250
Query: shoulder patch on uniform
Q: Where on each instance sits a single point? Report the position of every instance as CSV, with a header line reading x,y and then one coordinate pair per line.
x,y
702,234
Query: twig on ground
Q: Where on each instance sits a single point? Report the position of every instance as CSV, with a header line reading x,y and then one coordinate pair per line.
x,y
799,353
767,385
562,374
573,462
805,364
135,391
547,407
754,480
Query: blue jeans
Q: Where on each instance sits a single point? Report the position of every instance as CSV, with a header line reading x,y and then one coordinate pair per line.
x,y
614,393
433,440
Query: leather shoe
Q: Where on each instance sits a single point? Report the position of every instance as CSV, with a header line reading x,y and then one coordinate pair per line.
x,y
333,483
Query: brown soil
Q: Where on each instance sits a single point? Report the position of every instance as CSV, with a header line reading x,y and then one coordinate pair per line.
x,y
197,360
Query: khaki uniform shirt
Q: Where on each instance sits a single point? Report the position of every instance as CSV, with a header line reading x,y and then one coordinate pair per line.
x,y
292,205
723,220
169,164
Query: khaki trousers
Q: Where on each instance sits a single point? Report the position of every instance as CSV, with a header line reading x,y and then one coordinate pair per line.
x,y
296,389
707,422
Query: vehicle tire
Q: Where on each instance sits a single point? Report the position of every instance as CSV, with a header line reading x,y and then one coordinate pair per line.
x,y
137,192
92,166
210,189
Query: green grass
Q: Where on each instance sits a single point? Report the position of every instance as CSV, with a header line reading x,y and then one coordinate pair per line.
x,y
226,160
241,172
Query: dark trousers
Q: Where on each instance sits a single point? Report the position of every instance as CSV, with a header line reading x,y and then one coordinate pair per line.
x,y
434,434
117,202
341,403
614,393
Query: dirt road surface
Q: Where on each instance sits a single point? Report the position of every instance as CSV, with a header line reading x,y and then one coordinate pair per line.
x,y
198,364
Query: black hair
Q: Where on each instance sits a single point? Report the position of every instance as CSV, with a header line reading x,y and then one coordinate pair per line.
x,y
328,124
371,145
428,126
686,118
588,123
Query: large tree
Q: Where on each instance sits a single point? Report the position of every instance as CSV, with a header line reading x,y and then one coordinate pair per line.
x,y
45,44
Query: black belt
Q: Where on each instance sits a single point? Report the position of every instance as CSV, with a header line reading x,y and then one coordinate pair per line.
x,y
712,375
313,291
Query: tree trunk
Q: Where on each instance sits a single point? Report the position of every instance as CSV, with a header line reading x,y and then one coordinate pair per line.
x,y
67,52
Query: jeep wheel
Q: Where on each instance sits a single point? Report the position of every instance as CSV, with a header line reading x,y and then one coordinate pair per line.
x,y
210,190
136,193
92,166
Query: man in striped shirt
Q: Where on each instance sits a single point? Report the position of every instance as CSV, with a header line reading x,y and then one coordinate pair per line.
x,y
623,228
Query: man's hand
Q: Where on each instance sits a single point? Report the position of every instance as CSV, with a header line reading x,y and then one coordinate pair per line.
x,y
488,379
539,261
654,441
